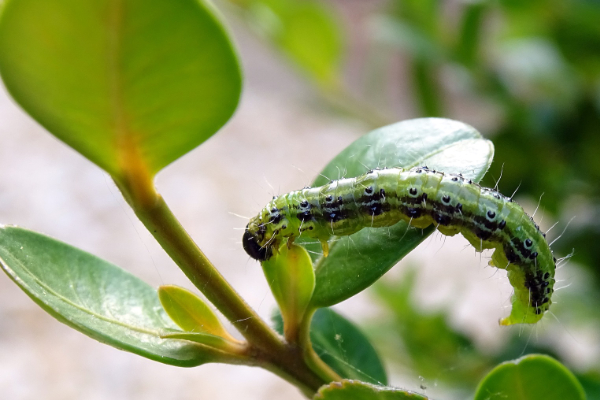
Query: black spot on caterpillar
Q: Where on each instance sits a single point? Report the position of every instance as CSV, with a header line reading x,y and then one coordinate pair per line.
x,y
421,197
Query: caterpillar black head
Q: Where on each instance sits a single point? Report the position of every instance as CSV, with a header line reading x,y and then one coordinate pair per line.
x,y
254,249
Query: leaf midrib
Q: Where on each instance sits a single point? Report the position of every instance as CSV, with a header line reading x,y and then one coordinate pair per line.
x,y
10,271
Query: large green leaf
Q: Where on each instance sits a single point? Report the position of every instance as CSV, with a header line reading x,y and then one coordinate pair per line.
x,y
533,377
357,261
343,347
130,84
94,297
356,390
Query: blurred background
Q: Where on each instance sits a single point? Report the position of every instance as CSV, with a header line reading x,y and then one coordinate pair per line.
x,y
319,74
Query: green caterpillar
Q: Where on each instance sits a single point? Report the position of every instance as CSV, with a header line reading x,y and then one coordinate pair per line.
x,y
421,197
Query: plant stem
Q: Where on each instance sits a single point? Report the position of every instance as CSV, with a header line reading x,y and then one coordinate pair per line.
x,y
265,347
179,245
310,357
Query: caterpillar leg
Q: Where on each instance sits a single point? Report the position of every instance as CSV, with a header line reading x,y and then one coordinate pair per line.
x,y
325,247
290,241
448,231
499,259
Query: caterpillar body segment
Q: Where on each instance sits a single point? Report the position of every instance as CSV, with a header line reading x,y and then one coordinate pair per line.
x,y
421,197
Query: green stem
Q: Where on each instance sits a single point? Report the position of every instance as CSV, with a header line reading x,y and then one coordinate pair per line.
x,y
163,225
265,347
310,357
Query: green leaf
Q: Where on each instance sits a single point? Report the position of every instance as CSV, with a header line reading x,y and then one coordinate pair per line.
x,y
291,278
355,262
356,390
207,339
189,312
531,377
307,32
94,297
343,347
130,84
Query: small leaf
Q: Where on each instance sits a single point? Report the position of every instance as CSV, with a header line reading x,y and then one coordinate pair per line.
x,y
355,262
355,390
130,84
343,347
207,339
189,312
291,278
533,377
94,297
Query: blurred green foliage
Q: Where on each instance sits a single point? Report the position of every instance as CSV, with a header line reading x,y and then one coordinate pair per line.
x,y
432,348
529,71
428,344
306,31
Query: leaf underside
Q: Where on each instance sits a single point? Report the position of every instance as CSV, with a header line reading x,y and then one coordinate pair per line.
x,y
130,84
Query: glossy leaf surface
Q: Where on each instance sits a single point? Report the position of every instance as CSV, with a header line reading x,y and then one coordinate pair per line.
x,y
355,262
94,297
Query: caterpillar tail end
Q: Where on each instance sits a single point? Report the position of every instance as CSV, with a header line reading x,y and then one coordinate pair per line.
x,y
507,321
520,319
522,312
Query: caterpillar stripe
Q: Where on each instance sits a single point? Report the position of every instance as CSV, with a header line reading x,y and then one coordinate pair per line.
x,y
421,197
